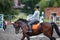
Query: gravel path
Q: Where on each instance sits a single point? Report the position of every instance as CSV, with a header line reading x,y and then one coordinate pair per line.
x,y
9,34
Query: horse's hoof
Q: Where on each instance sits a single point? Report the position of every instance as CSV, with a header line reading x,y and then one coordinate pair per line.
x,y
29,31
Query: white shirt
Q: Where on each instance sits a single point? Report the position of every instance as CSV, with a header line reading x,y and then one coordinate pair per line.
x,y
35,16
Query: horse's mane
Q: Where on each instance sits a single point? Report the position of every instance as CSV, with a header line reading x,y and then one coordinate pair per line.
x,y
24,20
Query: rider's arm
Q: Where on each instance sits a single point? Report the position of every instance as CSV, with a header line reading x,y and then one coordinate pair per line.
x,y
35,15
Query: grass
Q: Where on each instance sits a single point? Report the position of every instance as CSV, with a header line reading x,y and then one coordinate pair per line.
x,y
21,15
24,16
46,20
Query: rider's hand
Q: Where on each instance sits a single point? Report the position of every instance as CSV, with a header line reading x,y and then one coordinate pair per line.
x,y
28,19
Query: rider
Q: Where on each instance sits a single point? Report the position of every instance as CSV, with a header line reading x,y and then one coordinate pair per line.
x,y
34,18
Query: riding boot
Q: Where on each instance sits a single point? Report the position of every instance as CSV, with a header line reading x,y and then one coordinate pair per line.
x,y
30,28
30,25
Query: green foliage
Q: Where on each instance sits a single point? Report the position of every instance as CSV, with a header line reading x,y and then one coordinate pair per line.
x,y
43,4
24,1
46,20
6,7
55,4
29,5
48,3
51,3
58,1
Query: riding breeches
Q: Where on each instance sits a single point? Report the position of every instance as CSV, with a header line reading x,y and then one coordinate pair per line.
x,y
30,24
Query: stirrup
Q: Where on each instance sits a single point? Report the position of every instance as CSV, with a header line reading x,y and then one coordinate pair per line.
x,y
29,31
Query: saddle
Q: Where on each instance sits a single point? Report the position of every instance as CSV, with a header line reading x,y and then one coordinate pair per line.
x,y
34,25
36,22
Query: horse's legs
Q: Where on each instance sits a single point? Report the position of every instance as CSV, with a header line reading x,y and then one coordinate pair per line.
x,y
4,27
49,35
25,35
28,38
23,38
52,38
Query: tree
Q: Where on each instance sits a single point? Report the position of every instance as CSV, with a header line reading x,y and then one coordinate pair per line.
x,y
58,1
43,4
29,5
51,2
6,7
55,4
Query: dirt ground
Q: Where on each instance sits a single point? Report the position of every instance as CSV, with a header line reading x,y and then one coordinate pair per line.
x,y
9,34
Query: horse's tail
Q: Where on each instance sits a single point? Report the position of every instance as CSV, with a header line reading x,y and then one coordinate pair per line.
x,y
56,28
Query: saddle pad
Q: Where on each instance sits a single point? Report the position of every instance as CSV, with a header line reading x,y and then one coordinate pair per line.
x,y
35,26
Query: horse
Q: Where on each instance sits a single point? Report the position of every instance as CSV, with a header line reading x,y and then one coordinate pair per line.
x,y
45,27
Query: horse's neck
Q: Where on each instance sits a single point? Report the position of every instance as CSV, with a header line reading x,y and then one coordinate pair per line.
x,y
25,21
23,25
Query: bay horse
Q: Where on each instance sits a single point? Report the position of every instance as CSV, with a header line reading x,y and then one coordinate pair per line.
x,y
46,28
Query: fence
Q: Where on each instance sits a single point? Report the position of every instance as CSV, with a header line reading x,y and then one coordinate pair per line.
x,y
1,20
10,18
57,20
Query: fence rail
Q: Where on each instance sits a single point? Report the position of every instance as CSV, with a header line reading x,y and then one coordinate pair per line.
x,y
57,20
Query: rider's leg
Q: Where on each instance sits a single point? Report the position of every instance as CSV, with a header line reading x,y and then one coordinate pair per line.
x,y
30,25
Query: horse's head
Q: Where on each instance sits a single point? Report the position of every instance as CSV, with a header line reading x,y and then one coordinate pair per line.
x,y
17,26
